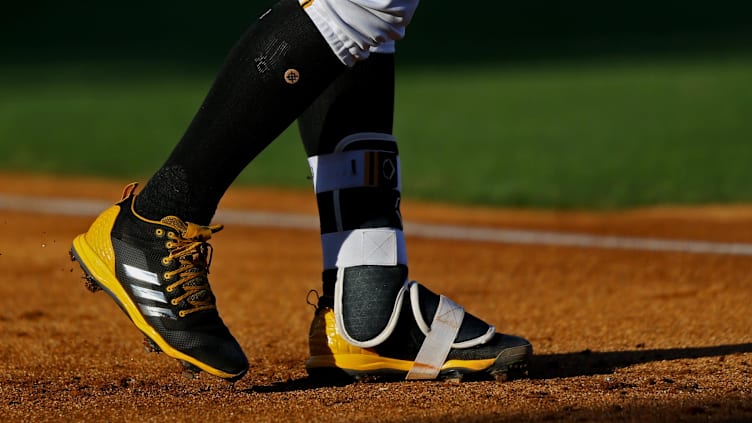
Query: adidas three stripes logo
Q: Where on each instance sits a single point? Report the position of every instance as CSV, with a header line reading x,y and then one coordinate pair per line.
x,y
148,294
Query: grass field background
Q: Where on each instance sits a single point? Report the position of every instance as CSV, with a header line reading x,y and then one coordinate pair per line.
x,y
557,134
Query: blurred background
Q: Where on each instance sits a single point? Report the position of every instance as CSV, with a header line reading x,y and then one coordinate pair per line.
x,y
579,104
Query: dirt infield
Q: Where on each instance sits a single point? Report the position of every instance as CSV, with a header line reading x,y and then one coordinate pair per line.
x,y
619,334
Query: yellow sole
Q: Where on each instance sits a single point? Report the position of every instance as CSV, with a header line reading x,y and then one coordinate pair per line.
x,y
359,363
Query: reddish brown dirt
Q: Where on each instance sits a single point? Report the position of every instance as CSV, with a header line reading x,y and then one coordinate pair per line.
x,y
619,335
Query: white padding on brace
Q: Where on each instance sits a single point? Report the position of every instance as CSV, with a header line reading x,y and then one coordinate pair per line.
x,y
377,246
441,335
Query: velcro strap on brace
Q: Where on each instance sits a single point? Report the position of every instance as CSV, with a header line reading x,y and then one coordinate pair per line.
x,y
439,339
353,169
376,246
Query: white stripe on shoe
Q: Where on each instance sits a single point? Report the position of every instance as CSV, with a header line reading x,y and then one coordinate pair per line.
x,y
141,275
149,294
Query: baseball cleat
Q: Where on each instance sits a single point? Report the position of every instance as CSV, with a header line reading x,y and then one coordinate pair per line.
x,y
156,271
426,339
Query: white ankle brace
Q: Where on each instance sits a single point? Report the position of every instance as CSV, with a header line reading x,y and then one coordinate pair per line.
x,y
353,167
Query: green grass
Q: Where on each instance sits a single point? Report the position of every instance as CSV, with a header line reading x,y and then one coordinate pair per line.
x,y
592,135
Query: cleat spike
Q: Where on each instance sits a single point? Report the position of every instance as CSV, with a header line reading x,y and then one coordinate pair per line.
x,y
512,372
71,256
232,380
451,376
151,347
364,378
189,371
91,284
501,376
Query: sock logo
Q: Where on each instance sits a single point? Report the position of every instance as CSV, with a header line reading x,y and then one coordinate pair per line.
x,y
261,64
292,76
270,57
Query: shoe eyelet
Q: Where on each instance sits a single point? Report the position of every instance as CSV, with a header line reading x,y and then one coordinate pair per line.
x,y
166,261
173,302
166,276
169,245
181,313
159,232
172,235
169,289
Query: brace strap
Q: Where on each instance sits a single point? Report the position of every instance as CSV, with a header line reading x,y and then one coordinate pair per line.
x,y
376,246
353,169
435,348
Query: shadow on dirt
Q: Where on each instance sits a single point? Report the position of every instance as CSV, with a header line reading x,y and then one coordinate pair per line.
x,y
292,385
551,366
589,362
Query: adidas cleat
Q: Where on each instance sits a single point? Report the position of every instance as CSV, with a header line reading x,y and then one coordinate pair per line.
x,y
156,271
450,345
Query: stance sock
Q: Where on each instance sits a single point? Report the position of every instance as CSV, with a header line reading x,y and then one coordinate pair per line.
x,y
274,72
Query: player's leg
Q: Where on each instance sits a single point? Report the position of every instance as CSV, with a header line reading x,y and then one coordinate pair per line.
x,y
371,320
150,252
273,73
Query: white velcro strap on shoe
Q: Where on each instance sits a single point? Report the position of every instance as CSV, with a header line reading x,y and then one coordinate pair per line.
x,y
413,287
354,169
433,353
376,246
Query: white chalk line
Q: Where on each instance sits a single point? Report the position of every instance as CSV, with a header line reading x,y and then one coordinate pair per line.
x,y
84,208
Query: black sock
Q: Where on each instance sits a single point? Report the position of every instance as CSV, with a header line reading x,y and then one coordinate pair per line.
x,y
279,66
359,100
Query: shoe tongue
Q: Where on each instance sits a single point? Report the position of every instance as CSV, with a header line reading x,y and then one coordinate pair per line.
x,y
194,231
175,223
190,230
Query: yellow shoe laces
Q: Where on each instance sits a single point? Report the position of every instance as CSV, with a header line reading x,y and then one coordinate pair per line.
x,y
189,247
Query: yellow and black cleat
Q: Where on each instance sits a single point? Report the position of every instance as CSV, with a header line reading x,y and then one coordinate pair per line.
x,y
334,359
156,272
